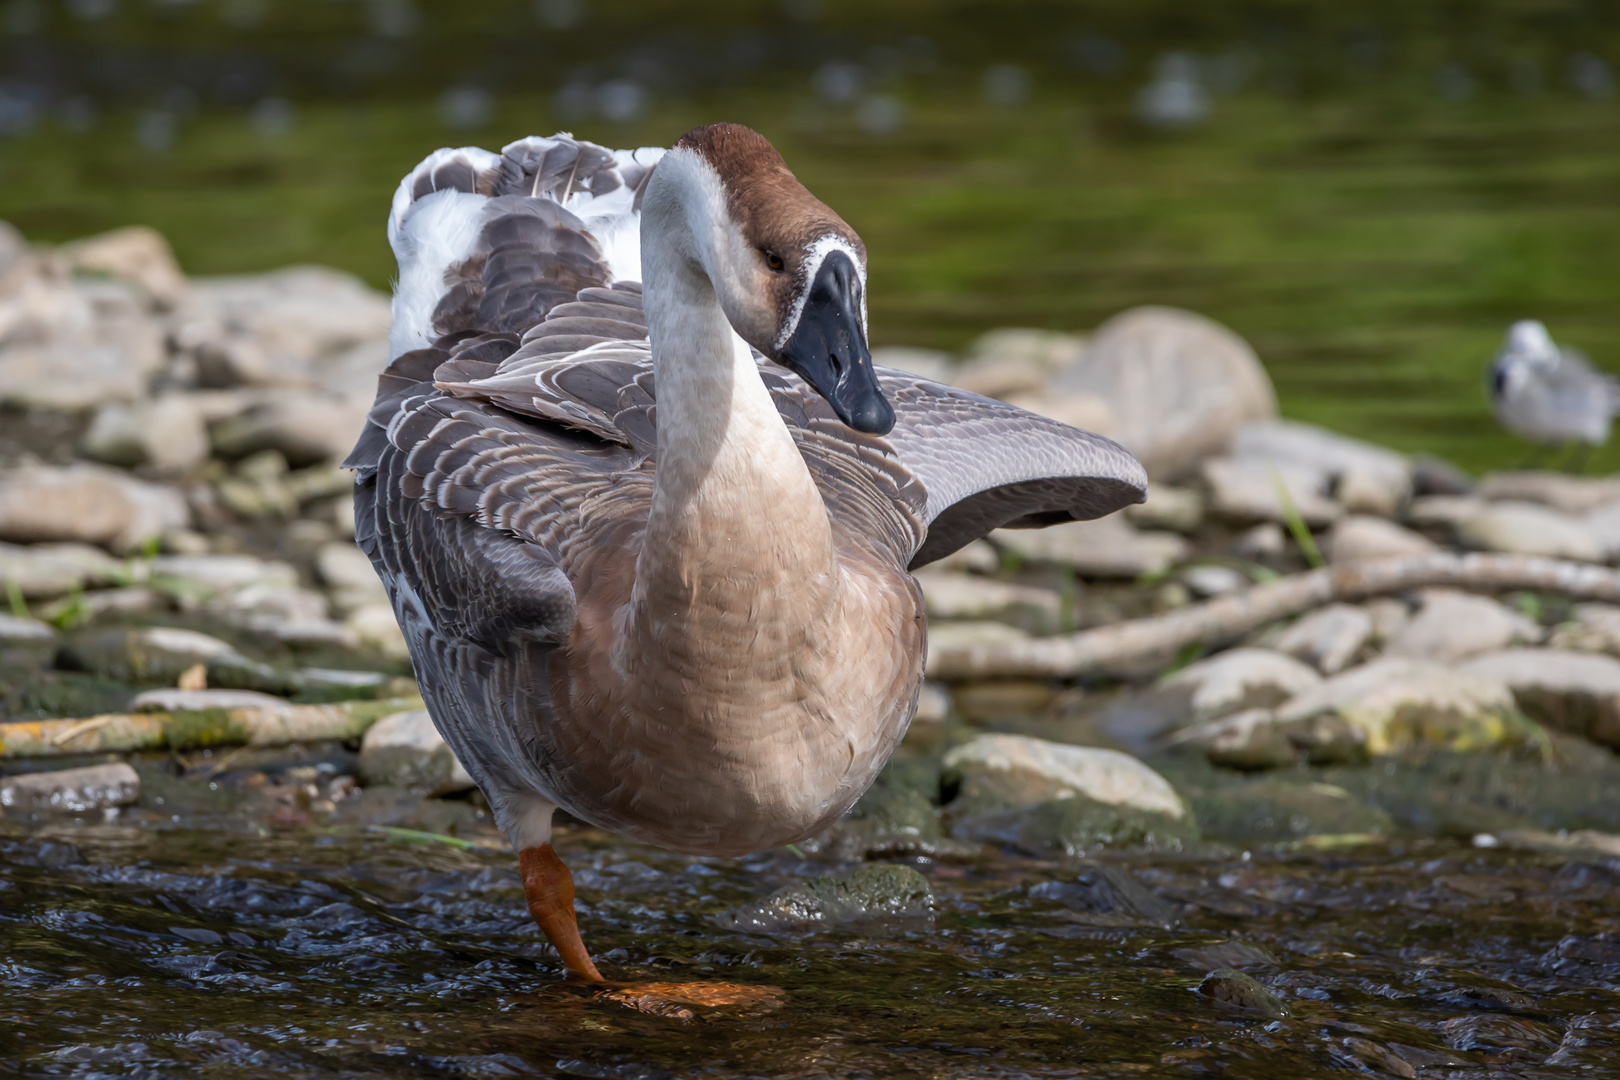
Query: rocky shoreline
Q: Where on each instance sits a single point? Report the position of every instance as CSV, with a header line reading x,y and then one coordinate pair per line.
x,y
192,637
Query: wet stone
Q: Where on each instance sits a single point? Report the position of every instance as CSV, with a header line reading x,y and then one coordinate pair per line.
x,y
1268,810
1232,989
1107,896
95,787
880,893
1074,827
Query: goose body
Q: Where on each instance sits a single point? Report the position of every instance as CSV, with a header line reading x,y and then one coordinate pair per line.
x,y
647,512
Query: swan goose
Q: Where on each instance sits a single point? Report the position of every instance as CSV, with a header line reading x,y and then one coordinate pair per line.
x,y
649,543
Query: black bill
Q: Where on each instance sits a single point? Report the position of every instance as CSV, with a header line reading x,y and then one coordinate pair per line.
x,y
828,348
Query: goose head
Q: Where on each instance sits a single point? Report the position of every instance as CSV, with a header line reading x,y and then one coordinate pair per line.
x,y
788,272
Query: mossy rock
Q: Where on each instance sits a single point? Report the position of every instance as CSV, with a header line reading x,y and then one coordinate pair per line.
x,y
1074,827
1275,810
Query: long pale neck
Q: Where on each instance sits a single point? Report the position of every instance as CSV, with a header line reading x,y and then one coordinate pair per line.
x,y
737,527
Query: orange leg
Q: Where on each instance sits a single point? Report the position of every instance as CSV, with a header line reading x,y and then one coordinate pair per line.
x,y
550,889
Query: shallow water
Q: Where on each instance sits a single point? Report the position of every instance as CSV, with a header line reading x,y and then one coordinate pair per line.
x,y
201,951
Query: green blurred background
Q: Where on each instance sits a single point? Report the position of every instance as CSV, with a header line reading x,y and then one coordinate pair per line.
x,y
1368,191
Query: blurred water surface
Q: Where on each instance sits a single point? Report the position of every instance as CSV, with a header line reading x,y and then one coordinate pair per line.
x,y
1369,191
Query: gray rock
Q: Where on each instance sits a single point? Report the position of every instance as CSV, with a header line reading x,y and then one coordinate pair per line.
x,y
1247,490
1249,740
347,571
1571,495
962,596
1328,638
1241,679
1573,691
1173,509
1394,703
72,344
1107,547
933,703
132,600
1178,385
161,654
86,503
306,428
137,254
1359,537
96,787
1107,896
374,626
1435,476
967,635
1012,361
1604,526
1444,513
1451,626
166,433
14,629
44,571
406,750
1231,989
1084,411
1212,580
1363,477
1073,827
292,327
173,700
1272,810
1016,770
1592,628
878,893
1261,542
338,679
1388,617
1529,529
978,557
269,606
218,573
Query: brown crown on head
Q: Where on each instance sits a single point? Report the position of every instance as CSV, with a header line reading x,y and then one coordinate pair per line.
x,y
775,212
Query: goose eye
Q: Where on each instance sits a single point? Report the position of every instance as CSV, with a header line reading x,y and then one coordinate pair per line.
x,y
774,261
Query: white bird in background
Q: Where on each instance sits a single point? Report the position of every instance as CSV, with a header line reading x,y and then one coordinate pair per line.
x,y
1549,395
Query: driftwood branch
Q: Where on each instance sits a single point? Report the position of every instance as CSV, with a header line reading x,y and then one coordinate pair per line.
x,y
196,730
1124,648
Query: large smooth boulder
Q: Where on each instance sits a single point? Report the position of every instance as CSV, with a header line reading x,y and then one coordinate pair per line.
x,y
1572,691
1241,679
1328,638
1525,528
1394,703
1452,626
406,750
1014,360
1017,770
86,503
1107,547
72,344
1178,385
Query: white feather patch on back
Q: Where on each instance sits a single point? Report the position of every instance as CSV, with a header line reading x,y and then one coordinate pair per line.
x,y
436,232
